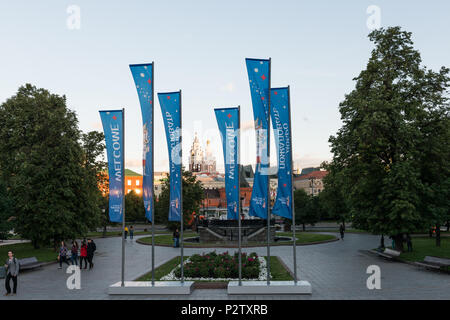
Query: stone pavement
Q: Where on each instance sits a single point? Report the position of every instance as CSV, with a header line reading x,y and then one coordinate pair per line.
x,y
336,270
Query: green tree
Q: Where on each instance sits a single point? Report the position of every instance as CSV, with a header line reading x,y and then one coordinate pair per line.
x,y
45,168
378,148
6,212
332,197
134,207
192,197
307,208
95,175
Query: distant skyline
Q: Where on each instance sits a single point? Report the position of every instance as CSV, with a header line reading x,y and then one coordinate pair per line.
x,y
200,46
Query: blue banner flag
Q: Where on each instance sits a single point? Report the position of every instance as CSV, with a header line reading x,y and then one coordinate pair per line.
x,y
113,128
171,111
259,78
143,79
280,112
228,122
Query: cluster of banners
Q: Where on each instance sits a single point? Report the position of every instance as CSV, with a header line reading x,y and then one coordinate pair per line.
x,y
262,95
268,103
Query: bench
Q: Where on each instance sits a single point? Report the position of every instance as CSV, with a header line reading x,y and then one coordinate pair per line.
x,y
433,262
388,253
29,263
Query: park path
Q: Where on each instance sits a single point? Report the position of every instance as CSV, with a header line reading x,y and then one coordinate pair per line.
x,y
336,270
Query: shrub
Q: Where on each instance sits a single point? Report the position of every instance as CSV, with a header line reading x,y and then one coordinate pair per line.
x,y
213,265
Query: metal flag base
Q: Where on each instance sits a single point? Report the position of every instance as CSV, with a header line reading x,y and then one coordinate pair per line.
x,y
146,287
275,287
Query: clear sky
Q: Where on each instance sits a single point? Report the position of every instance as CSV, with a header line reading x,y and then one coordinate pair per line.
x,y
200,46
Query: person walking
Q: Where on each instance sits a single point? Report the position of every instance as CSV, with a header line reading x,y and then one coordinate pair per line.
x,y
12,271
131,232
74,251
62,256
83,255
409,243
176,238
91,247
341,231
126,232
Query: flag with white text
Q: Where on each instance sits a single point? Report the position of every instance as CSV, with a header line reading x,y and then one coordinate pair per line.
x,y
113,129
171,111
228,122
259,79
143,79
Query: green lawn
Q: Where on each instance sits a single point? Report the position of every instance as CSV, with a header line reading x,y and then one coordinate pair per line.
x,y
302,238
424,246
26,250
279,273
306,237
96,234
337,230
277,270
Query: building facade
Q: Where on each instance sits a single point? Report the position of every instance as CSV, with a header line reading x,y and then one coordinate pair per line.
x,y
312,182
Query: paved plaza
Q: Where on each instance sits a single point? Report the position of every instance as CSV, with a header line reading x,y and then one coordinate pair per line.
x,y
336,270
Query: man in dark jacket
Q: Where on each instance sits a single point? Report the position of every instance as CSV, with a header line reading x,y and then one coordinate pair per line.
x,y
91,247
12,271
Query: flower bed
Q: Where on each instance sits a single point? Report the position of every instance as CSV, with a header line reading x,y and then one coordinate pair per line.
x,y
220,267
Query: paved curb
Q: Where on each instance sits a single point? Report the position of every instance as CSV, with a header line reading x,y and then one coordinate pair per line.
x,y
235,246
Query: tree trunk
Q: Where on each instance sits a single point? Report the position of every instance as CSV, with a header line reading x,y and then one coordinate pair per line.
x,y
438,235
448,226
398,240
35,244
104,231
382,241
303,226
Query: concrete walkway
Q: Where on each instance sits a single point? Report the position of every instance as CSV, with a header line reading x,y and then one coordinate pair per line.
x,y
336,270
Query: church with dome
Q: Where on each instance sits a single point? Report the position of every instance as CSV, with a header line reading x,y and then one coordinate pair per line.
x,y
201,160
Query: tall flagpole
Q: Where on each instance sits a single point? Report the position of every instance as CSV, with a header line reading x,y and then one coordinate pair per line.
x,y
268,182
181,192
239,194
292,190
123,198
153,175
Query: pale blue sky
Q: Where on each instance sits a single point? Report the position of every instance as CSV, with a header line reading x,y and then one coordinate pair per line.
x,y
200,46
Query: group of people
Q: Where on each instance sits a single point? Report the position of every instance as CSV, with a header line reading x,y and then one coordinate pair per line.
x,y
85,252
131,231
